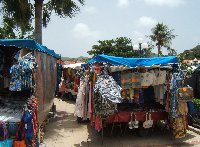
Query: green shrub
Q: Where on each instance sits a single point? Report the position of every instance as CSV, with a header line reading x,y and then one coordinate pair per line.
x,y
196,102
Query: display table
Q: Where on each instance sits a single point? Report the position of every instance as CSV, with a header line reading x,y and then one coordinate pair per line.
x,y
125,117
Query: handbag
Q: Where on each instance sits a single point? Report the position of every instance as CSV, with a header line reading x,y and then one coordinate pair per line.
x,y
20,142
185,93
148,123
135,123
130,124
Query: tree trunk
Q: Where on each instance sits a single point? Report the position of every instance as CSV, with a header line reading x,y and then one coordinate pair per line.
x,y
158,50
38,21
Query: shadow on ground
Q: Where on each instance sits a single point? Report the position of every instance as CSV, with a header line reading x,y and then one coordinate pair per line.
x,y
65,131
131,138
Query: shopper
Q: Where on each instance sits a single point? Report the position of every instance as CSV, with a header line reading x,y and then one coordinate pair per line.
x,y
62,87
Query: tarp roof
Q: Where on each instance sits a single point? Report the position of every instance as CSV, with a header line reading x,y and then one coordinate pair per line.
x,y
133,62
29,44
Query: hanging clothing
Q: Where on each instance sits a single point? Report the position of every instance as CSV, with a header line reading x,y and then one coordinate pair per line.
x,y
103,106
79,100
147,78
179,126
126,82
160,76
182,108
90,101
108,88
21,74
136,80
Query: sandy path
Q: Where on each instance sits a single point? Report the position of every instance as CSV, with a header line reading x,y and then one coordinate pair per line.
x,y
64,131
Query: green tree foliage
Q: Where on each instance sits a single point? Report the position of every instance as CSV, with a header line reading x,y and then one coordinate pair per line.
x,y
23,12
171,51
121,46
191,54
196,102
9,29
162,36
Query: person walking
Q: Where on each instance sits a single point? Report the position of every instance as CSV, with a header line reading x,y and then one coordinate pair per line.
x,y
62,87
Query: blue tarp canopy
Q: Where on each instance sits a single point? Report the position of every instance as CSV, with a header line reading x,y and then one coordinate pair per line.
x,y
29,44
133,62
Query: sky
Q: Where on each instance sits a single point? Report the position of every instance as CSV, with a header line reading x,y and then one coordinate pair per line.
x,y
108,19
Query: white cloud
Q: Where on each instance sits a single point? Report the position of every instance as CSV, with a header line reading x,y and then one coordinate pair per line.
x,y
123,3
137,34
81,31
145,21
170,3
91,10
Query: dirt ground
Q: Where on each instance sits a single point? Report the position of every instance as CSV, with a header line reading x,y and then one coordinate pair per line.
x,y
64,131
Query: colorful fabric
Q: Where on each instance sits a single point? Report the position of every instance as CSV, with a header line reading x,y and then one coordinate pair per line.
x,y
182,108
103,106
136,95
126,82
21,74
179,126
108,88
136,80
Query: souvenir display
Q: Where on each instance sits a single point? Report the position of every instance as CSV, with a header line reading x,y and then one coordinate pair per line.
x,y
22,80
135,91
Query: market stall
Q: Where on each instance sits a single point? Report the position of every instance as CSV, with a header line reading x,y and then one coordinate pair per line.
x,y
72,78
28,82
136,91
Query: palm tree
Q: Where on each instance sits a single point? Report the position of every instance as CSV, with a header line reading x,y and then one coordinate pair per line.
x,y
162,35
25,11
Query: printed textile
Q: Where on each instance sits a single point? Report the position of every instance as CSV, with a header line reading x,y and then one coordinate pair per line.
x,y
126,82
103,106
108,88
174,85
179,126
21,74
131,80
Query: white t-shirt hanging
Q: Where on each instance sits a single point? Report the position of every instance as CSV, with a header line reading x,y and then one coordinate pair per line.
x,y
162,77
156,73
147,78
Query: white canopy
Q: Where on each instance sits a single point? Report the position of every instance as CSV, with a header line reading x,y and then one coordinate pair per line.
x,y
76,66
